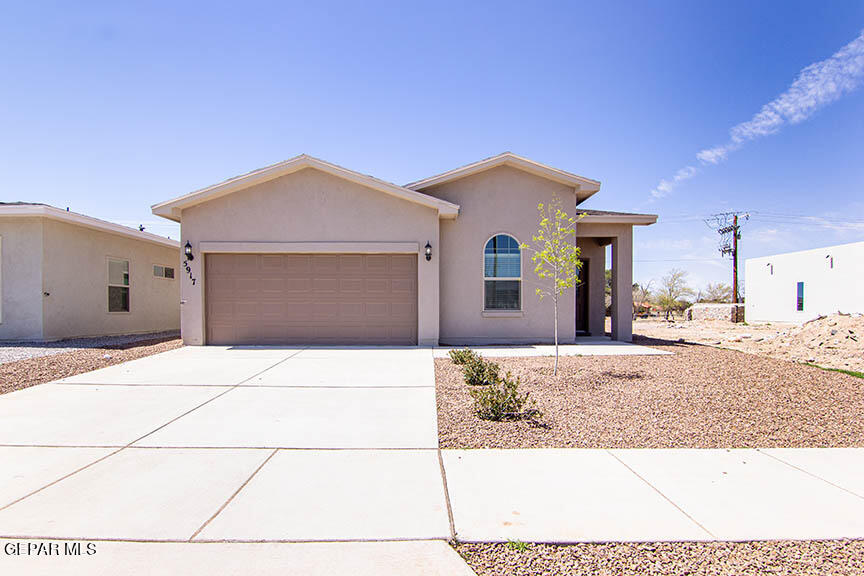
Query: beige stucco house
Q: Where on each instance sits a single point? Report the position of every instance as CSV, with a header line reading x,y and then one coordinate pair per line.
x,y
309,252
66,275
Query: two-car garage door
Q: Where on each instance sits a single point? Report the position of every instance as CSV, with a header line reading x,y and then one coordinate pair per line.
x,y
260,299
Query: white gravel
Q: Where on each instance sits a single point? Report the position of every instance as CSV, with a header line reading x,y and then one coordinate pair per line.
x,y
13,351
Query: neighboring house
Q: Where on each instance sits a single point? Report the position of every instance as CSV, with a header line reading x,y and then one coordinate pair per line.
x,y
799,286
308,252
65,275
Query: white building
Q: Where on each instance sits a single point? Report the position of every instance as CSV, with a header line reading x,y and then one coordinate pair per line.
x,y
798,286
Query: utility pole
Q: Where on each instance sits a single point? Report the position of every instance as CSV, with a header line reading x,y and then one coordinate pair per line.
x,y
727,225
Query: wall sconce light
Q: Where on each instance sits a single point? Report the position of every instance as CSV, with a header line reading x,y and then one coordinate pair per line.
x,y
770,268
831,261
188,251
428,251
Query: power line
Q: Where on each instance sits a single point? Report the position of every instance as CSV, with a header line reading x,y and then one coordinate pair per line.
x,y
726,224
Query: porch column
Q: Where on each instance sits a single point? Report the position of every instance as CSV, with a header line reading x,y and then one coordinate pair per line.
x,y
622,285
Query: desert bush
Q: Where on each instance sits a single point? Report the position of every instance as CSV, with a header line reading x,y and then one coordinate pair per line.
x,y
501,400
461,357
480,372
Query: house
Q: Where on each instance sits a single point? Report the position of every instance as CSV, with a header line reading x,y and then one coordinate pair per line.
x,y
305,251
65,275
799,286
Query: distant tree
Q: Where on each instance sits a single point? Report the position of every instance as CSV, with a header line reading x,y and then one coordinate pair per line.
x,y
641,296
718,292
673,291
555,255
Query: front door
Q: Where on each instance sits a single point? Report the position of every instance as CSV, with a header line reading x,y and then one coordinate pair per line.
x,y
582,302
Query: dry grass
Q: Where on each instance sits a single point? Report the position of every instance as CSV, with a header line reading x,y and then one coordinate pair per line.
x,y
33,371
700,397
807,558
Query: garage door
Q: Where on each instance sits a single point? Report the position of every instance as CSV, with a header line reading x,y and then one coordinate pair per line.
x,y
311,298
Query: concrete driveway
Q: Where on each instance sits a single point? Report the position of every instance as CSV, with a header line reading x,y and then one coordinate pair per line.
x,y
224,444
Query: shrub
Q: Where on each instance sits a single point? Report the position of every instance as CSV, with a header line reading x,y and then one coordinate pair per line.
x,y
501,400
517,545
480,372
461,357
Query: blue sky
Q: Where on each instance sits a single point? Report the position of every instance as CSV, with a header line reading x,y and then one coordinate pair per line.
x,y
111,107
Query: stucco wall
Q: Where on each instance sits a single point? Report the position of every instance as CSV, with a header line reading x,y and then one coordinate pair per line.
x,y
500,200
21,279
310,206
771,283
75,274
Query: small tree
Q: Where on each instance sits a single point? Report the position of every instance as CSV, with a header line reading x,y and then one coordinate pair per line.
x,y
673,289
718,292
555,256
641,296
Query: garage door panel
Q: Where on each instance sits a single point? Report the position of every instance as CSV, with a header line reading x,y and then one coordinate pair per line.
x,y
311,298
320,285
297,263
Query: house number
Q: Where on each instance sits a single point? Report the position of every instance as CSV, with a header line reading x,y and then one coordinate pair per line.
x,y
189,271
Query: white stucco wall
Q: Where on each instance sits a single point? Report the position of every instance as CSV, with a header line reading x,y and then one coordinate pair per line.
x,y
75,275
20,278
772,297
310,206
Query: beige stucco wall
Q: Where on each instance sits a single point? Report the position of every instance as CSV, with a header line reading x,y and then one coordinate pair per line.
x,y
21,278
75,274
310,206
500,200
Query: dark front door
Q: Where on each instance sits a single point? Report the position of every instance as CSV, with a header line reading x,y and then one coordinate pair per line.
x,y
582,301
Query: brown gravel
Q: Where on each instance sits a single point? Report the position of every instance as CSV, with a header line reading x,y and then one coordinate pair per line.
x,y
700,397
26,373
841,557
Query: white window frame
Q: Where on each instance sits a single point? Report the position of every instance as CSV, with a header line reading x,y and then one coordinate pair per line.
x,y
109,285
502,311
164,266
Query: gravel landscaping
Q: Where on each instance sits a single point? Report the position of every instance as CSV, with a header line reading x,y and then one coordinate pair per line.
x,y
841,557
14,351
699,397
46,368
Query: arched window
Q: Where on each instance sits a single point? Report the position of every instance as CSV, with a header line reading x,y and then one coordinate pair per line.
x,y
502,274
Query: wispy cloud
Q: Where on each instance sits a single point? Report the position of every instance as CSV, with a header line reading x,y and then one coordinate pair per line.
x,y
816,86
665,187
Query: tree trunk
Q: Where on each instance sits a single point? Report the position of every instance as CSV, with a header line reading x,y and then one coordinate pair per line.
x,y
555,370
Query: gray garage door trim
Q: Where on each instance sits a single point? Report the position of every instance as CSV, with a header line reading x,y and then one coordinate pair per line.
x,y
311,298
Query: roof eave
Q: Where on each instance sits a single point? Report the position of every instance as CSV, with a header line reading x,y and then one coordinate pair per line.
x,y
634,219
584,187
53,213
172,209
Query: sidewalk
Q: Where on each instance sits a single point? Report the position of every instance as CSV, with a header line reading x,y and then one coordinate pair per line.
x,y
656,495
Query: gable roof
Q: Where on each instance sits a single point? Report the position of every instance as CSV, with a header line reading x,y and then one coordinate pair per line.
x,y
584,187
35,210
172,208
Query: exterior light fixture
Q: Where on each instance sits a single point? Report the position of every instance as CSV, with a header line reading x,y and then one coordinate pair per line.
x,y
428,251
188,251
830,260
770,268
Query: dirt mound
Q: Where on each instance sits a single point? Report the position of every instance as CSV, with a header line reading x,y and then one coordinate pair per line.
x,y
836,341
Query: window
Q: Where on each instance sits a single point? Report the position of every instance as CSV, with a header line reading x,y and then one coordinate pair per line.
x,y
118,285
502,274
800,306
163,272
